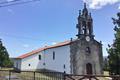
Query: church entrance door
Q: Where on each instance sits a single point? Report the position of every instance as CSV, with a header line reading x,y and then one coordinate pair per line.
x,y
89,68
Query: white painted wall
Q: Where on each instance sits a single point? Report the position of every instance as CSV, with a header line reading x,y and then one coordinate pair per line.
x,y
62,57
33,61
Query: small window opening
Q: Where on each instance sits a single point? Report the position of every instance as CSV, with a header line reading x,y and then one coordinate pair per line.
x,y
39,57
28,64
53,55
88,50
44,64
64,66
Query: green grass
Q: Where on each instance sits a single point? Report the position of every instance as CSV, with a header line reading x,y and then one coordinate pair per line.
x,y
6,68
38,76
106,73
29,76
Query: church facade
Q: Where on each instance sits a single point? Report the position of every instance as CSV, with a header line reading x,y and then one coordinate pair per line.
x,y
76,56
86,52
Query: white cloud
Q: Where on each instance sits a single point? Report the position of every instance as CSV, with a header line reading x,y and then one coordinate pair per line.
x,y
25,45
119,6
10,0
104,43
53,43
96,4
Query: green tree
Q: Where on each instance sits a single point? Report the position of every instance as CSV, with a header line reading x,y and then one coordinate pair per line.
x,y
114,49
4,56
106,66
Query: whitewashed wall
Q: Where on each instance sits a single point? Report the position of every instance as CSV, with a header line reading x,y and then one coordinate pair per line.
x,y
33,61
62,57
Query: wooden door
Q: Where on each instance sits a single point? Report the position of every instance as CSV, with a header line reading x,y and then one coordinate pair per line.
x,y
89,68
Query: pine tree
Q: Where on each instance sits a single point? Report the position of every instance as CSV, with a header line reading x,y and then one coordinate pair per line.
x,y
4,56
114,49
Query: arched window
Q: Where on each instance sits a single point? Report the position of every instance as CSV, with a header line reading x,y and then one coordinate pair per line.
x,y
88,50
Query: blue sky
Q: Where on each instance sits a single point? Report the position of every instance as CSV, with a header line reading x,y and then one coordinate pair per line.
x,y
26,27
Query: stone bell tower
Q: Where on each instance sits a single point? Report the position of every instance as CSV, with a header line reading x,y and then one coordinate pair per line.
x,y
85,24
86,52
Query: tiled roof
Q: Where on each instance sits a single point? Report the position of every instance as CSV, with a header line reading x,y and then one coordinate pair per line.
x,y
44,48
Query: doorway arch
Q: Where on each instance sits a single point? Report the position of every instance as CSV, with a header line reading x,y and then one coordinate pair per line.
x,y
89,68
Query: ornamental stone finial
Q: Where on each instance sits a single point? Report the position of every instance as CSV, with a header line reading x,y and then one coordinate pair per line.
x,y
79,12
84,5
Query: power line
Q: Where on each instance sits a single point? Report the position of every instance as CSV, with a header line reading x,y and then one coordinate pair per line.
x,y
24,37
5,1
15,2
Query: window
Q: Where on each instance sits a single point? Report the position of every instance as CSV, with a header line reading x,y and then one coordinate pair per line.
x,y
44,64
53,55
64,66
39,57
28,64
16,64
88,49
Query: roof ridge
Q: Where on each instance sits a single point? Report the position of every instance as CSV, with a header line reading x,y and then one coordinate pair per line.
x,y
43,48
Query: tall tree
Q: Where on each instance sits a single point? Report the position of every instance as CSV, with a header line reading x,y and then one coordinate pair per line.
x,y
4,56
114,49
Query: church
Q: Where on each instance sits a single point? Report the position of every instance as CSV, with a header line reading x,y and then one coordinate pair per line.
x,y
82,55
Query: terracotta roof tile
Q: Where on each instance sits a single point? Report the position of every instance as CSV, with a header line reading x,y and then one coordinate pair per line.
x,y
44,48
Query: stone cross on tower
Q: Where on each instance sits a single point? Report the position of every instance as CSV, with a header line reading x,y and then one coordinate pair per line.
x,y
85,24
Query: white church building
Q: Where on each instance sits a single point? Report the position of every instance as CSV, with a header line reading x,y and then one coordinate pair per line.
x,y
79,56
55,58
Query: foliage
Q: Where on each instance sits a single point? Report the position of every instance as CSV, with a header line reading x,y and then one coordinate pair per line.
x,y
114,49
105,62
4,57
